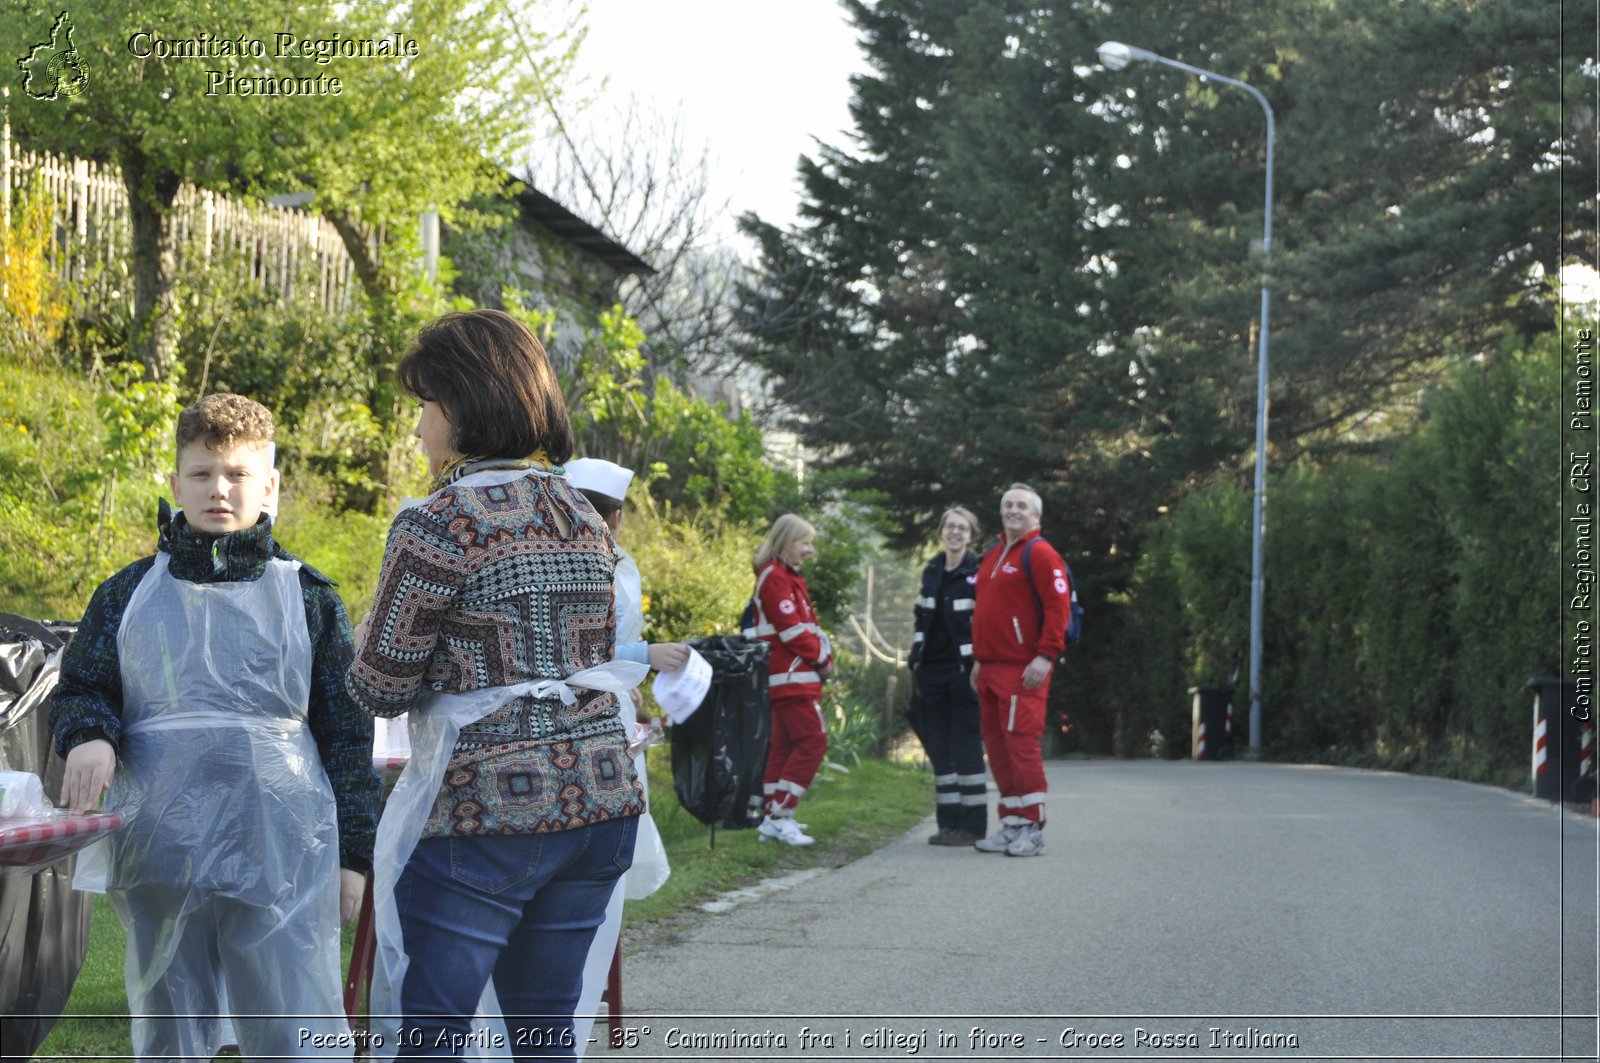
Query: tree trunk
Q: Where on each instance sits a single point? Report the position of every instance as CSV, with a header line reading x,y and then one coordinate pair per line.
x,y
389,337
151,192
365,264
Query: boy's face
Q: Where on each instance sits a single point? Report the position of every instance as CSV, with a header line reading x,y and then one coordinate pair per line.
x,y
224,490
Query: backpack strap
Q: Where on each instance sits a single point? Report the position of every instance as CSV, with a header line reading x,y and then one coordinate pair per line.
x,y
1074,610
754,619
1027,572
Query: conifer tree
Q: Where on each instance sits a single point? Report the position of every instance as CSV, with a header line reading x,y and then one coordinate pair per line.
x,y
1026,266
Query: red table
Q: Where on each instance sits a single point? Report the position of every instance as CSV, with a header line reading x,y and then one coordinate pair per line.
x,y
30,842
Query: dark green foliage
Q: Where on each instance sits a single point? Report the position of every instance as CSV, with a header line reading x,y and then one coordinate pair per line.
x,y
312,367
1024,266
1409,597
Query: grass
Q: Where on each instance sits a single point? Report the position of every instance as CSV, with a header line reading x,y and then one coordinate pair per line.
x,y
851,810
850,813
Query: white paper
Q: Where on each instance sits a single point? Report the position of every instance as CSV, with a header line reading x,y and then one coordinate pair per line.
x,y
679,693
391,737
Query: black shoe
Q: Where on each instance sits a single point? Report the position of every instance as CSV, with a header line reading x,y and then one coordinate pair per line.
x,y
954,836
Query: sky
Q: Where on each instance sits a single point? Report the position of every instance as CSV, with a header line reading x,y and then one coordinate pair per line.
x,y
758,82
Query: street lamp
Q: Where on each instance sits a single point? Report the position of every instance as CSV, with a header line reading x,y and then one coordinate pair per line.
x,y
1116,56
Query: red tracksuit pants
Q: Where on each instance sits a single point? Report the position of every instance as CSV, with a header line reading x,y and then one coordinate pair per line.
x,y
1012,721
799,743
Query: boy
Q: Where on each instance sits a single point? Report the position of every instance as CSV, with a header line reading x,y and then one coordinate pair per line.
x,y
205,686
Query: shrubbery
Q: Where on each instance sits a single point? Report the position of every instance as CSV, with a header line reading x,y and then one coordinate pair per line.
x,y
86,449
1408,598
33,301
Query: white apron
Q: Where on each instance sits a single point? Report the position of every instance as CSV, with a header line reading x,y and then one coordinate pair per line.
x,y
434,726
650,868
225,800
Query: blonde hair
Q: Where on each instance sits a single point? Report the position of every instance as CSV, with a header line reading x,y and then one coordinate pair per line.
x,y
965,514
786,531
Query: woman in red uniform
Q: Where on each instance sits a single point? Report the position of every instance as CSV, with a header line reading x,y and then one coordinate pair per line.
x,y
797,664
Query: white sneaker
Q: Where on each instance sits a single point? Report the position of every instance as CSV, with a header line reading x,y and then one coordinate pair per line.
x,y
1029,842
783,829
999,841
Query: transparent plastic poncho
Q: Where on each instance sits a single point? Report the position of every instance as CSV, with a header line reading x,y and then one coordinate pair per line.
x,y
433,727
650,868
230,845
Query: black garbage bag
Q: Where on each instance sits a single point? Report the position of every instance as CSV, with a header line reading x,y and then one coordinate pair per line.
x,y
719,754
44,924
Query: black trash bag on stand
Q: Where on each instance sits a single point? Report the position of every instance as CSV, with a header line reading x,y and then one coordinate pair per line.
x,y
44,924
719,754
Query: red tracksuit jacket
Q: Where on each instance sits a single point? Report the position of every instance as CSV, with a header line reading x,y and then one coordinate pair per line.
x,y
786,622
1006,621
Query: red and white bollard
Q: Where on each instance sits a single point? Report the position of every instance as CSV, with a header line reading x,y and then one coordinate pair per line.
x,y
1563,742
1211,734
1541,752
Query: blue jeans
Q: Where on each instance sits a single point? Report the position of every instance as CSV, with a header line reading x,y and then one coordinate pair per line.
x,y
521,908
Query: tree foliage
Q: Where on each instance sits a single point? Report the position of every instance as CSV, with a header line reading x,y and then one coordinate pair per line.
x,y
1024,266
1027,266
1412,592
405,133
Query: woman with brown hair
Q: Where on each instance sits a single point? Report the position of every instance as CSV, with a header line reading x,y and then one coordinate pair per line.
x,y
941,664
493,625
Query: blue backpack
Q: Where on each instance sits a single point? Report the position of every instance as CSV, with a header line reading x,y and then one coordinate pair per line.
x,y
1075,620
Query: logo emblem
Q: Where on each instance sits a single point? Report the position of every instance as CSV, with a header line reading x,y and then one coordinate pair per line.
x,y
1061,585
54,68
786,606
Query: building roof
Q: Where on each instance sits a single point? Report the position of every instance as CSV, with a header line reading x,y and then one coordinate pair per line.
x,y
567,225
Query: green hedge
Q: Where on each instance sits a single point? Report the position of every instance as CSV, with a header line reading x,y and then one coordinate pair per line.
x,y
1409,596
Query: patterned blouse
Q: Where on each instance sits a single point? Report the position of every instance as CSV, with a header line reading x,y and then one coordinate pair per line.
x,y
480,588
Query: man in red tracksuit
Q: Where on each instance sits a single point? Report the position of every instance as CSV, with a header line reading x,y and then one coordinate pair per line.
x,y
1019,627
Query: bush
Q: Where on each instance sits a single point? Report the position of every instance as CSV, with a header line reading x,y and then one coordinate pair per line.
x,y
82,463
33,301
695,572
1410,595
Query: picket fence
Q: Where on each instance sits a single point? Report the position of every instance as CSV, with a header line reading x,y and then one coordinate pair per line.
x,y
296,254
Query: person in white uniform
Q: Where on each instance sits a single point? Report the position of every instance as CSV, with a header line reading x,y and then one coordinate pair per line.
x,y
605,484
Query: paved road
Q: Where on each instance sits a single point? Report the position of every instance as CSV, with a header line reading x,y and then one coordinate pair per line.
x,y
1182,911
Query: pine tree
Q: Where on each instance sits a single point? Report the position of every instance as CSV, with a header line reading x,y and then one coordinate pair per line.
x,y
1025,266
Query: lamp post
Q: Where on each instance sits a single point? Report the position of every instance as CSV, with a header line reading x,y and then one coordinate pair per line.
x,y
1116,56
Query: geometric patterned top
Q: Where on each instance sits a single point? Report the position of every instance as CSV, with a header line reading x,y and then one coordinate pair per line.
x,y
480,588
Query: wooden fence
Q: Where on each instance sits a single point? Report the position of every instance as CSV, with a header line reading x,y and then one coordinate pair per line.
x,y
294,253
